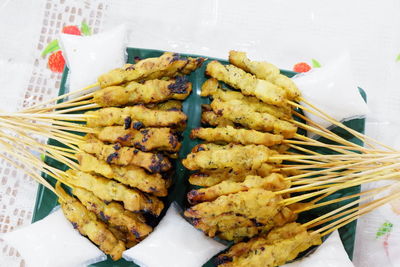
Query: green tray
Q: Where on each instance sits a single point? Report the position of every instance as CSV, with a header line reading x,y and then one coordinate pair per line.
x,y
46,200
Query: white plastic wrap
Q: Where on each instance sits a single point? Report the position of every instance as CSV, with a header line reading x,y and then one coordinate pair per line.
x,y
53,241
333,90
174,243
330,254
90,56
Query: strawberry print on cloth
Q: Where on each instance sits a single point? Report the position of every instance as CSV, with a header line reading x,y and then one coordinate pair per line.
x,y
56,61
304,67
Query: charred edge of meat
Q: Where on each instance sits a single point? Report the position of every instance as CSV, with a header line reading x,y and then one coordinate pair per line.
x,y
200,61
75,225
117,146
145,134
173,140
135,151
148,199
111,157
180,86
157,164
127,122
130,67
139,146
191,135
257,224
137,59
198,148
104,217
124,138
135,233
201,174
195,221
174,109
179,135
222,259
167,175
220,112
137,125
205,107
153,189
175,57
106,202
192,195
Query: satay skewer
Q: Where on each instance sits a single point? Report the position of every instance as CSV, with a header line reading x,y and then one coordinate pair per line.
x,y
34,107
360,211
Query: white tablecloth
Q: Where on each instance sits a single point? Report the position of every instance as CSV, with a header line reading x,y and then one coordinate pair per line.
x,y
283,32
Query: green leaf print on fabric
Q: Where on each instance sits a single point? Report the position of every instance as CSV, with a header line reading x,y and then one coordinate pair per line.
x,y
385,229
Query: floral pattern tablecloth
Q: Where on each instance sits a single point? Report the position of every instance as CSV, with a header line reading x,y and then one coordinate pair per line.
x,y
283,32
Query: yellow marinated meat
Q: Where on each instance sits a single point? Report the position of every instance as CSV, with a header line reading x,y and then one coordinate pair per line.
x,y
265,71
256,203
209,117
234,227
229,134
285,216
213,226
131,175
248,84
127,238
114,214
273,182
213,177
240,113
110,190
208,178
236,157
167,105
151,91
281,148
145,139
211,87
88,225
285,231
135,117
273,252
167,65
115,154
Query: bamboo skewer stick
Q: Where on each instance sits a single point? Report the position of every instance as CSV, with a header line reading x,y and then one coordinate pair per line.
x,y
49,124
80,108
69,103
42,167
357,214
329,146
340,167
374,191
316,128
316,114
35,116
335,188
335,213
33,175
59,138
327,136
327,157
325,116
304,149
47,152
62,97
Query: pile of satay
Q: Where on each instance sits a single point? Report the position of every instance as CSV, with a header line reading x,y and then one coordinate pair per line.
x,y
244,171
235,167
